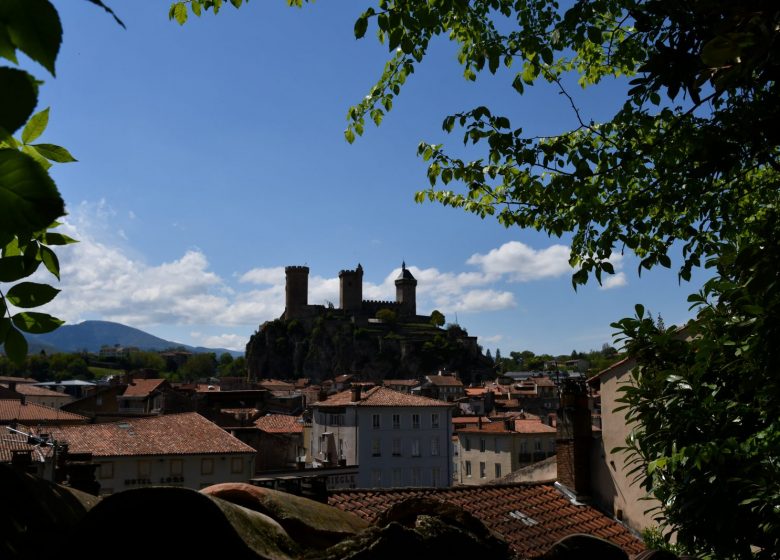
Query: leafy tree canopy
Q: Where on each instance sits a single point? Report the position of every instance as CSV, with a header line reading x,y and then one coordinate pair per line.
x,y
30,202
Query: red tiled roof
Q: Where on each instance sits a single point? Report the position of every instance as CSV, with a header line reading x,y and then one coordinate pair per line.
x,y
444,381
532,427
172,434
380,396
530,517
11,441
275,385
544,382
12,379
476,391
461,420
402,382
142,387
31,413
279,424
33,391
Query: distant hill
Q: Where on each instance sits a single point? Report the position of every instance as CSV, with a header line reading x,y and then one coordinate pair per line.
x,y
91,335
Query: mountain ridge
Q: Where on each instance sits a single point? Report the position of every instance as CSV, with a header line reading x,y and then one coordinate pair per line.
x,y
93,334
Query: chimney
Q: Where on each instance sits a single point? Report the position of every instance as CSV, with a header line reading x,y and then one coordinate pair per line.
x,y
12,385
574,439
355,389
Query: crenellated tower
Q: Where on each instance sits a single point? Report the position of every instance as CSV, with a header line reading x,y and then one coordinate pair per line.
x,y
296,291
351,289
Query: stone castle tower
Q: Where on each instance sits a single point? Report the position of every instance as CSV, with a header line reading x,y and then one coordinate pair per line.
x,y
406,291
351,289
296,291
350,294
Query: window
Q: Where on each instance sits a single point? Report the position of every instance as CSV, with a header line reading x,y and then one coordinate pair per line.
x,y
336,419
416,476
376,478
435,476
177,467
415,420
498,470
435,420
482,445
497,445
144,469
481,469
538,444
375,421
236,465
396,421
376,448
467,444
415,448
434,447
467,464
523,447
207,466
106,470
396,447
552,444
396,477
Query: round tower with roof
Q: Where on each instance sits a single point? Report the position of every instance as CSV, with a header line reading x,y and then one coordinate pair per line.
x,y
406,292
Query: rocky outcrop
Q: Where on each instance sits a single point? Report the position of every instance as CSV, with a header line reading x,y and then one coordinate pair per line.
x,y
324,346
309,523
36,515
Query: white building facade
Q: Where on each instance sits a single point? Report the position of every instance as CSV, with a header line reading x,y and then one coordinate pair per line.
x,y
396,440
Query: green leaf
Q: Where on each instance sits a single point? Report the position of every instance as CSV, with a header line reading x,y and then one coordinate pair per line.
x,y
349,135
15,344
35,126
52,238
360,26
54,153
7,49
36,323
50,261
18,97
179,12
29,200
30,294
12,268
33,153
34,28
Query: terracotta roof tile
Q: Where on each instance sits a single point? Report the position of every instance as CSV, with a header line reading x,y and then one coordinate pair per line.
x,y
11,441
172,434
31,390
465,420
444,380
532,427
279,424
30,413
380,396
142,387
401,382
530,517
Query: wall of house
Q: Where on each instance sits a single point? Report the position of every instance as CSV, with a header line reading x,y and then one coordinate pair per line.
x,y
509,450
116,474
409,454
613,488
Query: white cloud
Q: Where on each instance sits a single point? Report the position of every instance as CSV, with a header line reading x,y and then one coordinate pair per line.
x,y
612,281
273,275
493,339
521,263
228,341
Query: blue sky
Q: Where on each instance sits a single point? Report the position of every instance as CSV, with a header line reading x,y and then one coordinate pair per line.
x,y
212,155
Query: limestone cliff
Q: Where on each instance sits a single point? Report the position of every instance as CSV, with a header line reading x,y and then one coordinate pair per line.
x,y
333,343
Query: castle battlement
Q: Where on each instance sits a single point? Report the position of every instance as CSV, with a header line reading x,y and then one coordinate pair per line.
x,y
350,293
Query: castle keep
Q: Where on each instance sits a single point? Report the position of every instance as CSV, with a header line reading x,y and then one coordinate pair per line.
x,y
351,300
